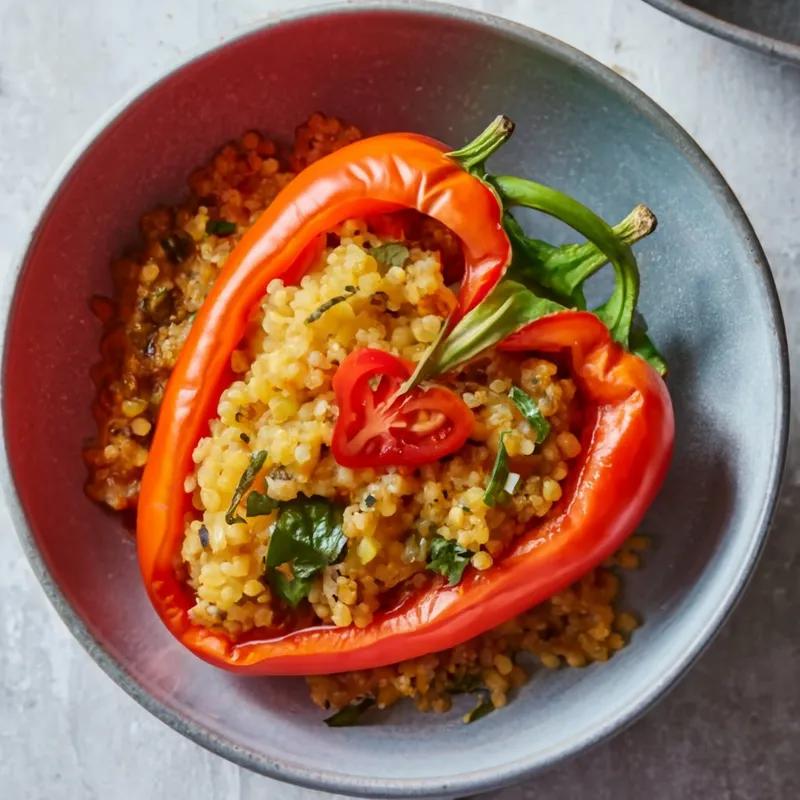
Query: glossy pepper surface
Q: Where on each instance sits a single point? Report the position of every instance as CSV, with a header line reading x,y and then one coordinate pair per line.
x,y
377,175
627,439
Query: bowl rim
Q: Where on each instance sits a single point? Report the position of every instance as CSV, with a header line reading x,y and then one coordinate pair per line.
x,y
486,779
746,37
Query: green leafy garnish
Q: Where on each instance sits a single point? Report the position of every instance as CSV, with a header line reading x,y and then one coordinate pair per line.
x,y
329,304
245,482
391,254
481,710
508,307
495,490
448,558
349,715
307,536
529,409
258,504
220,227
178,246
290,590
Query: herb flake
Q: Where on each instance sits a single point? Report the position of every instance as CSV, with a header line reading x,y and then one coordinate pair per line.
x,y
245,482
349,715
448,558
391,254
203,534
258,504
220,227
529,409
329,304
495,492
481,710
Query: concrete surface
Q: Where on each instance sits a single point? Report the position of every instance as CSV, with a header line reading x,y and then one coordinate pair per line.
x,y
730,730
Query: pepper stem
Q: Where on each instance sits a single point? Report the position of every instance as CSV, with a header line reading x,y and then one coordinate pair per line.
x,y
475,153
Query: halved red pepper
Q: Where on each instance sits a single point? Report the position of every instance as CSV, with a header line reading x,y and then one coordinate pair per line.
x,y
377,427
377,175
627,445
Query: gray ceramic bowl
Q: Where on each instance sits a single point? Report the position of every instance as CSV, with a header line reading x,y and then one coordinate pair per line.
x,y
770,26
708,295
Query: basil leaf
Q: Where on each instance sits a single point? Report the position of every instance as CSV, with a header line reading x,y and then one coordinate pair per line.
x,y
495,492
245,482
307,535
481,710
220,227
349,715
309,528
391,254
529,409
448,558
291,590
258,504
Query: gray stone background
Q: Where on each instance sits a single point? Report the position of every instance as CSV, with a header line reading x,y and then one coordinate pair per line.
x,y
730,730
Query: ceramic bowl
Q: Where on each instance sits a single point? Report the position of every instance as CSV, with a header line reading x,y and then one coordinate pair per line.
x,y
708,296
769,26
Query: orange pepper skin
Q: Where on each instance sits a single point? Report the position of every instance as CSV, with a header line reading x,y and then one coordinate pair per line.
x,y
377,175
627,446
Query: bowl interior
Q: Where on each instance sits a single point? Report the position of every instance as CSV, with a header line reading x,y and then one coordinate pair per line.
x,y
708,301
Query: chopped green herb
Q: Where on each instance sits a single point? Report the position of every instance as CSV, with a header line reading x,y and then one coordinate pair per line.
x,y
158,304
495,490
328,304
391,254
245,438
507,308
529,409
177,246
448,558
370,501
259,504
280,473
220,227
466,509
308,536
349,715
481,710
203,534
290,590
245,482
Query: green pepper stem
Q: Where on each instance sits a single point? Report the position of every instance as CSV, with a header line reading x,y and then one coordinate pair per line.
x,y
475,153
588,259
617,311
639,223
